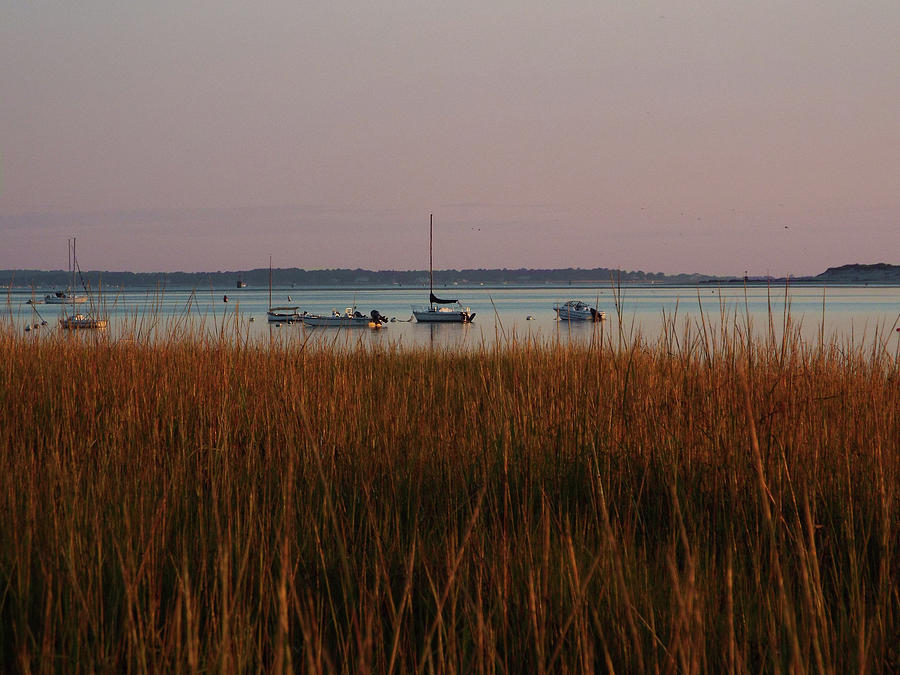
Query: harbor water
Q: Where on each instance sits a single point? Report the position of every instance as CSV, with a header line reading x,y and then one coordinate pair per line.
x,y
855,315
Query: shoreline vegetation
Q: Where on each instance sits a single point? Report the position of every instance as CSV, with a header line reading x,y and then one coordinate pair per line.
x,y
880,273
706,501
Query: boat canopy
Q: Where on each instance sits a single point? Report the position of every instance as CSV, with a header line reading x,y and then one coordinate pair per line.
x,y
438,301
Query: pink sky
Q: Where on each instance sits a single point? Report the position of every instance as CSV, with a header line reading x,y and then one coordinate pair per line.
x,y
662,136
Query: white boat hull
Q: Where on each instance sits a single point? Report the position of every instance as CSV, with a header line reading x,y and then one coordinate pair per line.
x,y
57,300
283,315
282,318
443,316
81,322
578,312
324,321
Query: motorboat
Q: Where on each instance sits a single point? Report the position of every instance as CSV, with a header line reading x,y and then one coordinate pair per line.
x,y
283,314
65,297
439,310
349,318
82,322
575,310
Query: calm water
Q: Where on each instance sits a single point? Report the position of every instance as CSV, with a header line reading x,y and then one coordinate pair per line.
x,y
848,313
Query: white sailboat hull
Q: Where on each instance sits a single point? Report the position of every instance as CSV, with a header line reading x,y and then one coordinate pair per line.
x,y
438,311
443,315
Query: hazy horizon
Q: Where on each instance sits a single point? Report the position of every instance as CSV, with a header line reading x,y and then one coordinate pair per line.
x,y
656,136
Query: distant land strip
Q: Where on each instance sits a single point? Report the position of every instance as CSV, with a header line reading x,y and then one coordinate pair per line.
x,y
259,278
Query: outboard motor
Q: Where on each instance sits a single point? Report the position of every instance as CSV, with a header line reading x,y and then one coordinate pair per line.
x,y
378,317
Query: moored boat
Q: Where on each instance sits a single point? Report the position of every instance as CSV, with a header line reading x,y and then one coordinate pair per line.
x,y
350,318
442,314
575,310
82,322
76,320
281,314
439,310
65,297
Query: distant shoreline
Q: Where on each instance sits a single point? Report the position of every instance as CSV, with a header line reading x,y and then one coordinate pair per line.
x,y
855,274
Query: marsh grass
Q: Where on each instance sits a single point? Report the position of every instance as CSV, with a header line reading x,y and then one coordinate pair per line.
x,y
705,502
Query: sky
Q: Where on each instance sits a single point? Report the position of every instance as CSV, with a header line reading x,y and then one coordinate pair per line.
x,y
713,137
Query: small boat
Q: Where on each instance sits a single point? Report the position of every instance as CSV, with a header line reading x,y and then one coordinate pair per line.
x,y
65,297
77,321
575,310
241,283
439,310
283,314
68,296
434,314
82,322
350,318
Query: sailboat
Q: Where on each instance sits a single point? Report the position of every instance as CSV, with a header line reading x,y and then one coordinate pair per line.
x,y
67,296
76,320
438,310
280,314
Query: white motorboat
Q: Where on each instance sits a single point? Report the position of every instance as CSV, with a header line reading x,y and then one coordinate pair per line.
x,y
350,318
439,310
282,314
82,322
575,310
65,297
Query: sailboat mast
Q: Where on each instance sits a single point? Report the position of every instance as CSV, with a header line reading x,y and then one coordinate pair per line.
x,y
270,282
430,253
72,291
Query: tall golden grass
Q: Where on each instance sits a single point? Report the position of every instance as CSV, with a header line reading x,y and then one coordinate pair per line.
x,y
704,502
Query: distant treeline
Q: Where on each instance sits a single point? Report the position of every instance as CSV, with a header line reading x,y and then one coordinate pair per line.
x,y
259,278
